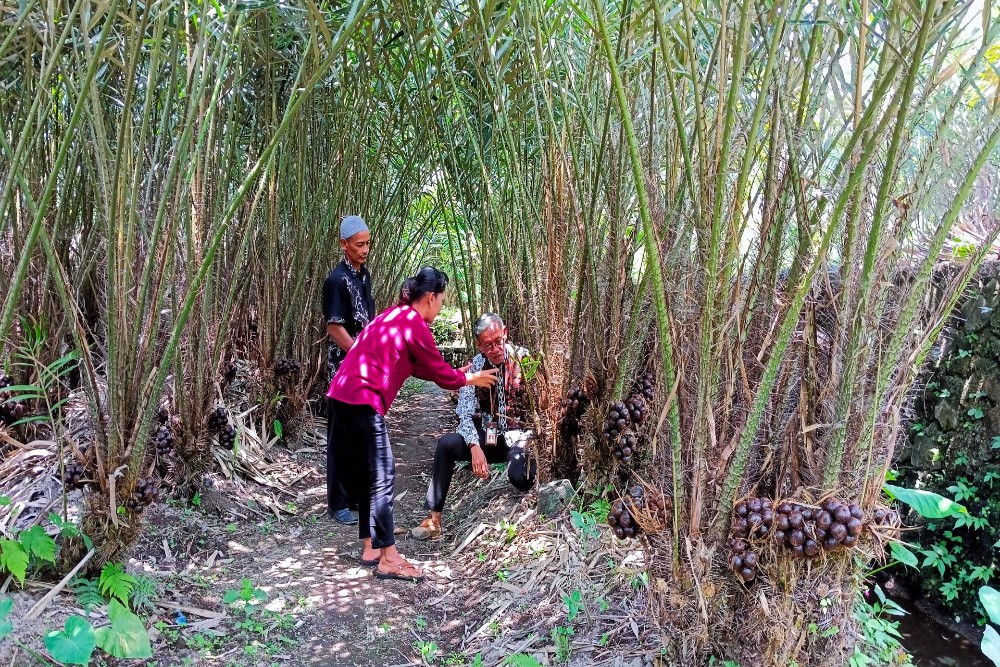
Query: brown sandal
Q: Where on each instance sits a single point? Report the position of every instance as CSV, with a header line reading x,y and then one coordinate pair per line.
x,y
397,572
425,531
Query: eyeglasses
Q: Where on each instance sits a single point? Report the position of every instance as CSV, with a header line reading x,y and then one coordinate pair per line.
x,y
492,345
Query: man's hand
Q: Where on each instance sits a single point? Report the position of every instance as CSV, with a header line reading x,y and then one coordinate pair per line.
x,y
338,334
480,468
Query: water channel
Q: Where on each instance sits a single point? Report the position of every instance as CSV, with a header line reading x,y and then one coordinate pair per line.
x,y
933,645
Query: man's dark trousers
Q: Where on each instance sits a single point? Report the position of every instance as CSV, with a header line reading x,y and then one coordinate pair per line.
x,y
452,448
338,494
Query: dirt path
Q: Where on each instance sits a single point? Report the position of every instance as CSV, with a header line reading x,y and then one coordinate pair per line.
x,y
498,580
358,619
325,608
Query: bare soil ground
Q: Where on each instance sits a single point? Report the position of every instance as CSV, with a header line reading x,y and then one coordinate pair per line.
x,y
501,580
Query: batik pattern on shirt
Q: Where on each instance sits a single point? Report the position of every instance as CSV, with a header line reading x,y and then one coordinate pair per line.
x,y
468,405
505,401
355,284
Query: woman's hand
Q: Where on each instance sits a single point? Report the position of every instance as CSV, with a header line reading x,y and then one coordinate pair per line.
x,y
485,378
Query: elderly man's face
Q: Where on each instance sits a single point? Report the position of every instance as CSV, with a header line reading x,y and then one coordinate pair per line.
x,y
356,248
491,343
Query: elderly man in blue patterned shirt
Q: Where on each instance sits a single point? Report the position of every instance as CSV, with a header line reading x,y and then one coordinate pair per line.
x,y
492,424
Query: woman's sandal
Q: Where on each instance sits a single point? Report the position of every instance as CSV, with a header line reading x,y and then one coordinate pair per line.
x,y
397,573
369,563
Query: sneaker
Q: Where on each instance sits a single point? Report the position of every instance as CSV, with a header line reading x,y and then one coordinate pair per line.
x,y
345,516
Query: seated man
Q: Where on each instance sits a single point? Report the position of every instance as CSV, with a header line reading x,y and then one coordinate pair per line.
x,y
491,424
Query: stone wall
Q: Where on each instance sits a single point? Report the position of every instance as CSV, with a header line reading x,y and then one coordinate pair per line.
x,y
456,354
964,380
954,450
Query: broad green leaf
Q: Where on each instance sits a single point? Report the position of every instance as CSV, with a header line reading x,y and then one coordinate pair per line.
x,y
38,543
4,501
903,554
74,644
58,404
13,559
990,597
56,367
927,504
991,645
231,597
32,389
21,393
126,637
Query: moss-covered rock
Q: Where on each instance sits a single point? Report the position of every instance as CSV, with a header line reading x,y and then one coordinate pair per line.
x,y
946,413
976,314
925,453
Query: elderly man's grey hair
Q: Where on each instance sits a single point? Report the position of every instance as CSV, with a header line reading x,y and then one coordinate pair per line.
x,y
485,321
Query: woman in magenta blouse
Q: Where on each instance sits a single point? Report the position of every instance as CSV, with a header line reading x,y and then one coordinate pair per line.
x,y
397,344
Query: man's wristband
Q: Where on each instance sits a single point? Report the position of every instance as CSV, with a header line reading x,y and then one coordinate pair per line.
x,y
473,444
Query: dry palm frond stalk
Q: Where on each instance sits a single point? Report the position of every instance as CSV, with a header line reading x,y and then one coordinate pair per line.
x,y
242,452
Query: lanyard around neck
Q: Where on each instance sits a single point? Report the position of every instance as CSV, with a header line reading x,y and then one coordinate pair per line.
x,y
502,380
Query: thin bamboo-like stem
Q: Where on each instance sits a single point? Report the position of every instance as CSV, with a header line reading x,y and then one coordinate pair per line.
x,y
656,272
835,456
350,25
45,201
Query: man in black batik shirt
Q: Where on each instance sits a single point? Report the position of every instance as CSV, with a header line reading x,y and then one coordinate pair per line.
x,y
493,424
348,307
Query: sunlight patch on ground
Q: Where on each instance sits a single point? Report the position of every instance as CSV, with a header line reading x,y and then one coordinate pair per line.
x,y
635,559
288,564
239,548
435,568
277,604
